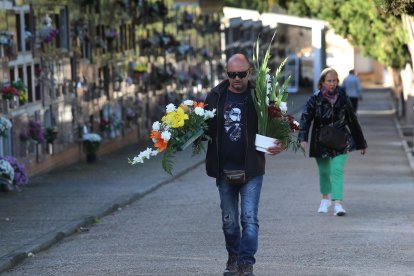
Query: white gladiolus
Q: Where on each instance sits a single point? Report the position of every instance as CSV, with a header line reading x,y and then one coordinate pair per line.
x,y
188,102
156,126
208,114
166,135
269,84
199,111
170,108
144,154
283,106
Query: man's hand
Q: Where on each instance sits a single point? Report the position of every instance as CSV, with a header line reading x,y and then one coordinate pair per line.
x,y
278,148
304,146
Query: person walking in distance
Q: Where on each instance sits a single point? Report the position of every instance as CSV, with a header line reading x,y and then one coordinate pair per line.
x,y
330,109
353,89
233,161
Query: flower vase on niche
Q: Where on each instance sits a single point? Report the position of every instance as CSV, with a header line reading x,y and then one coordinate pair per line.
x,y
91,143
6,184
38,151
50,148
50,136
6,176
5,106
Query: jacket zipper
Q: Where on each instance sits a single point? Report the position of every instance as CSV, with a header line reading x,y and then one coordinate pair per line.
x,y
217,134
246,134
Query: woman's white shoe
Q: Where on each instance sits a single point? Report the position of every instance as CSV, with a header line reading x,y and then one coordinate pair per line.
x,y
338,210
325,204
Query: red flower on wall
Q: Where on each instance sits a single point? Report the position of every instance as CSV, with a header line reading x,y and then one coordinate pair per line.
x,y
8,92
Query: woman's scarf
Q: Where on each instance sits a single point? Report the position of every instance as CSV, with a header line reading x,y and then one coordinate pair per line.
x,y
330,96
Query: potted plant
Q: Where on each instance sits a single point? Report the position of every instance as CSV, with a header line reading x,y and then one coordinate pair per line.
x,y
91,143
269,98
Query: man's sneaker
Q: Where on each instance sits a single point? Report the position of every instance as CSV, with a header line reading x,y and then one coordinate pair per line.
x,y
231,266
325,204
246,270
338,210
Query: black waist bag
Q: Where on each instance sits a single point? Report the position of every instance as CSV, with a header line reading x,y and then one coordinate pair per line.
x,y
235,177
332,138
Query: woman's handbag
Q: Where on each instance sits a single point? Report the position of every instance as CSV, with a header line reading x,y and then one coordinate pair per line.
x,y
332,138
235,177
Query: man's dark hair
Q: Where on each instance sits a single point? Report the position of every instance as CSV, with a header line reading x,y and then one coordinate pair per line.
x,y
352,72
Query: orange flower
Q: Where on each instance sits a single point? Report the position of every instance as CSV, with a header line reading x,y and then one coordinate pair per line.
x,y
200,104
155,134
161,145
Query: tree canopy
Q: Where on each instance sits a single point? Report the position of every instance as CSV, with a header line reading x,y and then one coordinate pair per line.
x,y
365,23
397,7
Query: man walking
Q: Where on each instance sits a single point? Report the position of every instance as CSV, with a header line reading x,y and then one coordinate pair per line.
x,y
233,160
353,89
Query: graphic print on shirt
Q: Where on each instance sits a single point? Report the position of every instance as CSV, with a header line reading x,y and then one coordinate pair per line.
x,y
232,121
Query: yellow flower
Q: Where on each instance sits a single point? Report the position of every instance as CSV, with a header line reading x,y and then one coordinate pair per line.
x,y
176,118
23,97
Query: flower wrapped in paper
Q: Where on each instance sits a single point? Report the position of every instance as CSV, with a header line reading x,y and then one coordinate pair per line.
x,y
270,96
179,128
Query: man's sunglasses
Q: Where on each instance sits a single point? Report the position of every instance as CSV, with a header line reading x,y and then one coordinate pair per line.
x,y
241,75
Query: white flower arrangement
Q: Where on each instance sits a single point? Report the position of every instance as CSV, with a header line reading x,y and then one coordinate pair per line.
x,y
92,137
6,38
269,97
91,142
6,170
5,125
179,127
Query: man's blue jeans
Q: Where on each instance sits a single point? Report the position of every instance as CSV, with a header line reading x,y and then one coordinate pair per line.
x,y
243,244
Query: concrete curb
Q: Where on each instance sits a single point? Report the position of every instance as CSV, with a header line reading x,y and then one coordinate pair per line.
x,y
44,242
407,149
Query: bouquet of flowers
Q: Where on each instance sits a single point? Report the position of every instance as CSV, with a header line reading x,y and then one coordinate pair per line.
x,y
5,125
91,142
9,92
51,134
21,89
6,170
6,38
36,131
179,127
270,98
20,177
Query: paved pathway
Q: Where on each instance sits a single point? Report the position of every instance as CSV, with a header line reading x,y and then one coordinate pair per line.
x,y
176,230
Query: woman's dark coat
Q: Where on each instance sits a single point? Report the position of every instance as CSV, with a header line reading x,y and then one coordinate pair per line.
x,y
320,112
